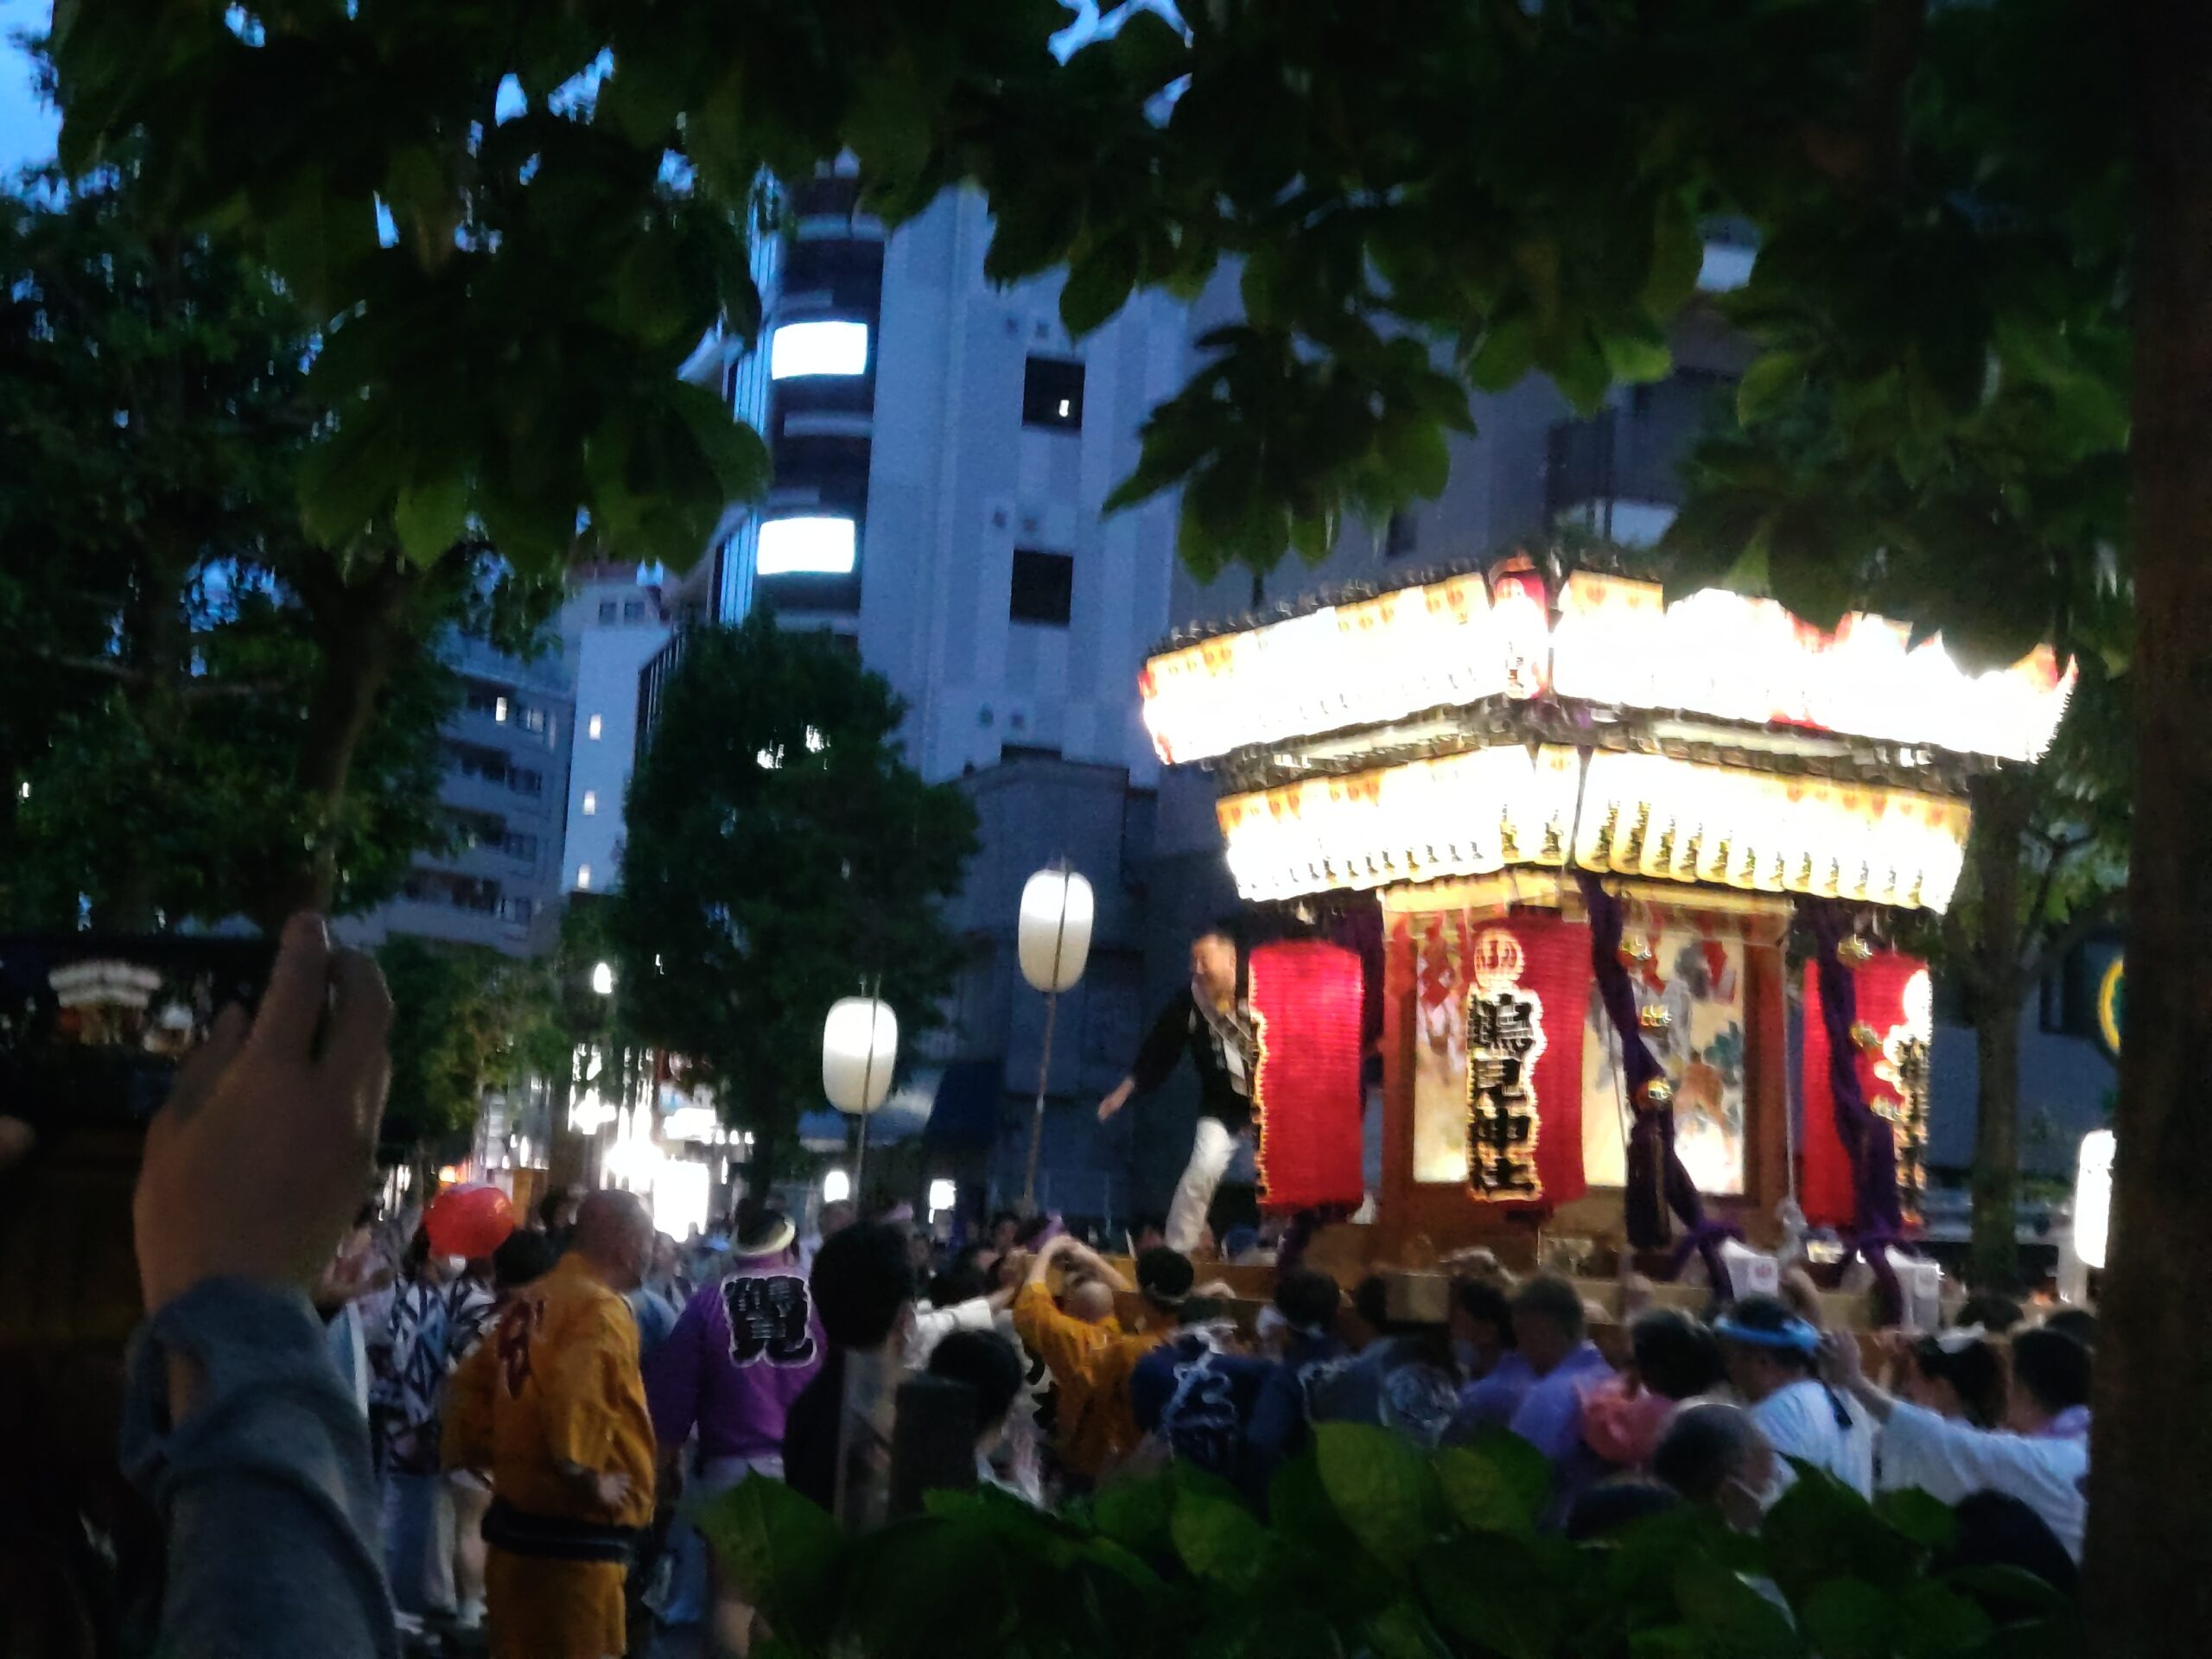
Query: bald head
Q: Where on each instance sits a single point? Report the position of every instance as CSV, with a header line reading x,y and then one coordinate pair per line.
x,y
1091,1301
615,1234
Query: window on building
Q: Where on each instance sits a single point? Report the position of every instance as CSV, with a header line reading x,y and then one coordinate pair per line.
x,y
483,699
634,610
499,709
808,545
591,802
1044,587
524,782
583,878
516,909
1400,536
592,728
516,845
824,348
1051,394
609,610
533,719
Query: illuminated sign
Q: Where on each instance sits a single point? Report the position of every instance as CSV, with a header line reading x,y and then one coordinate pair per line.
x,y
1486,809
1715,654
1505,1040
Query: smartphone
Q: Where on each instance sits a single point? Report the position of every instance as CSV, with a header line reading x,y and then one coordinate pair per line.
x,y
92,1030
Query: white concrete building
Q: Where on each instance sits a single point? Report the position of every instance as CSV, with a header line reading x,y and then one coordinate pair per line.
x,y
942,451
614,624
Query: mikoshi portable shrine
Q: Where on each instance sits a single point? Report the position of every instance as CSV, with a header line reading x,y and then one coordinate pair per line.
x,y
1588,821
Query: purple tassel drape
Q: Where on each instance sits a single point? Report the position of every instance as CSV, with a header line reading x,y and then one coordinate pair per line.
x,y
1657,1181
1877,1221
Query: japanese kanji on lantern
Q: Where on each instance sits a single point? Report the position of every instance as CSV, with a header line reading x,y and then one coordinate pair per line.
x,y
1594,822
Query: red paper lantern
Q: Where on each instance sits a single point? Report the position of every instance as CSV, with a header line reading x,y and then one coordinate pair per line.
x,y
1307,1000
1827,1185
471,1221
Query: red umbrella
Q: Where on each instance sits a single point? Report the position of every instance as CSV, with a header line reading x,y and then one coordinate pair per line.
x,y
470,1220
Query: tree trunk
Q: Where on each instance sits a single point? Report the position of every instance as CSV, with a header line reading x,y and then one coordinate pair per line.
x,y
2150,1487
2002,805
358,638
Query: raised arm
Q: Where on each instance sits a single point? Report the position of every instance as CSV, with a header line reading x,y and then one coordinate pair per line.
x,y
236,1421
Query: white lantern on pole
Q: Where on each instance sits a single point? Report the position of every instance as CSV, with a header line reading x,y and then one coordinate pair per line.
x,y
860,1051
1053,936
1052,939
2092,1197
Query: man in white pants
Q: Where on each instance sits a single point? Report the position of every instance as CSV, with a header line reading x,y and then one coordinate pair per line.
x,y
1208,1021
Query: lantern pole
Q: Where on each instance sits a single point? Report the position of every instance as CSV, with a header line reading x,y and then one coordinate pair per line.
x,y
1045,1059
867,1085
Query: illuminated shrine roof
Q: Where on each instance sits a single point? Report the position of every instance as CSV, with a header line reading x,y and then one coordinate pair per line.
x,y
1463,727
1425,669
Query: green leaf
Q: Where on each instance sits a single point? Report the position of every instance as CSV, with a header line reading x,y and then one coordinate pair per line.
x,y
318,237
1935,1621
1495,1590
1733,1620
1402,1632
1417,454
1849,1618
1382,1486
1098,285
1496,1483
649,295
1634,358
1149,52
431,519
1928,1522
733,451
1772,381
1135,1514
778,1549
1508,352
1677,257
1217,1538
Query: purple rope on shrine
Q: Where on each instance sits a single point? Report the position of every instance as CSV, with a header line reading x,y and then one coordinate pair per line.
x,y
1877,1218
1657,1181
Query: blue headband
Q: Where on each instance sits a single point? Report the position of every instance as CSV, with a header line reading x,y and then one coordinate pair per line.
x,y
1794,1334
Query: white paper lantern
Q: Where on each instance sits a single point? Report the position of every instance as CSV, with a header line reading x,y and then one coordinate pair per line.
x,y
2092,1197
859,1050
1053,936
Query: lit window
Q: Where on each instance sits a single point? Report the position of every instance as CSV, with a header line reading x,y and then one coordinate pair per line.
x,y
1051,393
583,878
815,741
801,348
592,730
809,545
499,709
591,802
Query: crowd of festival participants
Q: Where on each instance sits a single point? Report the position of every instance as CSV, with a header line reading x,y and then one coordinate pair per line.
x,y
538,1417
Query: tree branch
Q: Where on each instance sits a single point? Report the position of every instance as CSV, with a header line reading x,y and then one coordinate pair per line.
x,y
107,667
2087,918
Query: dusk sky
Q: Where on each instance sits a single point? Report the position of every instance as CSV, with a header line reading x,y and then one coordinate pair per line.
x,y
26,125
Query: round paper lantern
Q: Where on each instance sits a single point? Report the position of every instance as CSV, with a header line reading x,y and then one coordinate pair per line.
x,y
1053,936
470,1220
859,1049
2092,1197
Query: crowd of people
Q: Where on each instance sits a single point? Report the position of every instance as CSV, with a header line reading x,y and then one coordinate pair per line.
x,y
506,1439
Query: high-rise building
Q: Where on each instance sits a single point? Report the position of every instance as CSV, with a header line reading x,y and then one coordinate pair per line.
x,y
614,623
505,750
